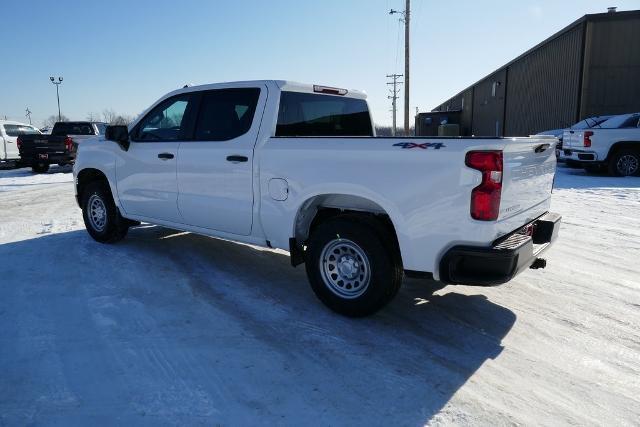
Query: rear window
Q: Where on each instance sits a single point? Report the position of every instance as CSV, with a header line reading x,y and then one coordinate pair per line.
x,y
17,130
590,122
72,128
307,114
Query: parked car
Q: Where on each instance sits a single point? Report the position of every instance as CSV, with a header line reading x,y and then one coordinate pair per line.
x,y
39,150
9,133
612,146
298,167
588,123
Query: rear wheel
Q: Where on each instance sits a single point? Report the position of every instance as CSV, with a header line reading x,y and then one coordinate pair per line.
x,y
352,265
40,168
625,162
101,217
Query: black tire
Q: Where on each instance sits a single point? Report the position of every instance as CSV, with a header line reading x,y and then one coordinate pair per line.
x,y
382,259
624,162
40,168
115,227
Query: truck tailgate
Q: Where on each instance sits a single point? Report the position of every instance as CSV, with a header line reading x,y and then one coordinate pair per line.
x,y
529,169
42,144
573,139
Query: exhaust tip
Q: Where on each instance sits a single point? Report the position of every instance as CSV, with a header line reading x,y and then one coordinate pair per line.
x,y
538,263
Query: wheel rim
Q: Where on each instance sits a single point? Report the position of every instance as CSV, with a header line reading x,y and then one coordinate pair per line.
x,y
627,164
345,268
97,213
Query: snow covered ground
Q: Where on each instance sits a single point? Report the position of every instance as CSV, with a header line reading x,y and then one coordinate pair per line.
x,y
171,328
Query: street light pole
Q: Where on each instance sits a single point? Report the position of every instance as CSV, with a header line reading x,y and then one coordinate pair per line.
x,y
57,83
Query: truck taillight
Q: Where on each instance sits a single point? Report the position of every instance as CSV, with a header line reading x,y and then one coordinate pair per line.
x,y
68,143
18,142
587,138
485,198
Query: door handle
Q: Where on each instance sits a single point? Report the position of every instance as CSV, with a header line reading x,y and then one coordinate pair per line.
x,y
237,159
165,156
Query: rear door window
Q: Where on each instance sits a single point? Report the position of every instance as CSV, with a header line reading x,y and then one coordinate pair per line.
x,y
226,114
307,114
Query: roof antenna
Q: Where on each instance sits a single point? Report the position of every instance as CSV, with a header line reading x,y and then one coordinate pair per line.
x,y
612,9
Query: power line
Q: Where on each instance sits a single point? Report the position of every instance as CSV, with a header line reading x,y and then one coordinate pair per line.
x,y
394,97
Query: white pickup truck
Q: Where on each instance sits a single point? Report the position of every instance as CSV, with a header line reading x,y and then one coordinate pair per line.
x,y
298,167
9,133
613,146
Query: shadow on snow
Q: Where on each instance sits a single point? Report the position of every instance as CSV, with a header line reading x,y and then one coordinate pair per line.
x,y
177,327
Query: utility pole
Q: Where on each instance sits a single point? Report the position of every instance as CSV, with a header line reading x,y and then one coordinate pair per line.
x,y
394,98
28,114
57,83
406,18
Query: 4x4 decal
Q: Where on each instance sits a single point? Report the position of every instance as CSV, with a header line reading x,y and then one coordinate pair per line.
x,y
424,145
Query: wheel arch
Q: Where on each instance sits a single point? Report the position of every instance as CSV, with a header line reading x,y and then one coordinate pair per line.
x,y
318,208
621,145
89,175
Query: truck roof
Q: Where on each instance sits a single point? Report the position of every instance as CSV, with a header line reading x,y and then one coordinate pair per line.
x,y
283,85
13,122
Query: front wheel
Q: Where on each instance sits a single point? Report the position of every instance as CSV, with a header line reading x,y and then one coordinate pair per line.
x,y
352,266
625,163
101,217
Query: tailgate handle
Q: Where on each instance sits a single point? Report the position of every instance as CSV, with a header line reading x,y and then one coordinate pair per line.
x,y
542,148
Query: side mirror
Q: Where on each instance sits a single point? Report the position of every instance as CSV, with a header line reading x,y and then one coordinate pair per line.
x,y
118,134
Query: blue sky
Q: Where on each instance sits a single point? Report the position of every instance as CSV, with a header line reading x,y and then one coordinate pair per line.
x,y
123,55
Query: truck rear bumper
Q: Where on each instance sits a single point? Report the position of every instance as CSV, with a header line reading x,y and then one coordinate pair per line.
x,y
52,158
508,256
580,156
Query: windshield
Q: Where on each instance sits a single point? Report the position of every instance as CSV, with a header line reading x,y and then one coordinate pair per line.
x,y
17,130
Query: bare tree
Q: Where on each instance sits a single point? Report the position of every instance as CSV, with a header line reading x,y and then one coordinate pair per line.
x,y
93,117
383,130
109,115
122,120
51,120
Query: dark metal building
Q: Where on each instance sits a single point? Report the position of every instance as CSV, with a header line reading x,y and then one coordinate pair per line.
x,y
591,67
